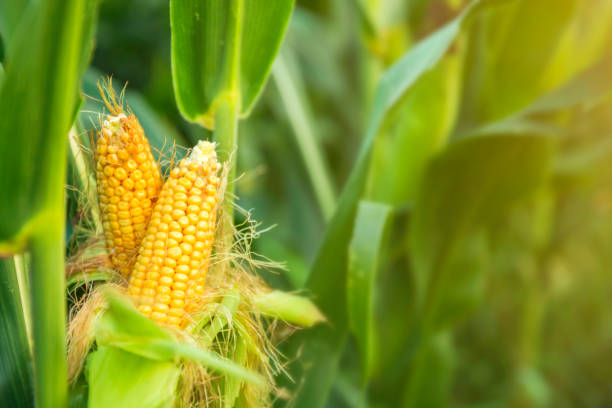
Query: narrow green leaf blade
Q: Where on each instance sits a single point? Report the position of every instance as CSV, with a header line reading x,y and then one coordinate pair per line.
x,y
291,89
364,251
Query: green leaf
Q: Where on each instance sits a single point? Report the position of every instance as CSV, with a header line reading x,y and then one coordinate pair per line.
x,y
505,74
473,182
223,50
321,346
11,13
16,376
288,307
123,321
49,52
464,291
437,375
364,250
221,318
232,385
123,326
413,131
37,103
85,176
586,89
118,378
291,89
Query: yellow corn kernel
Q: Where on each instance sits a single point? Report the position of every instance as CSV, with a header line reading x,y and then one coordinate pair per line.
x,y
128,181
181,244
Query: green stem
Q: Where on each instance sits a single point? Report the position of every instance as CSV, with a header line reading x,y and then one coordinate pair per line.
x,y
226,115
47,285
226,135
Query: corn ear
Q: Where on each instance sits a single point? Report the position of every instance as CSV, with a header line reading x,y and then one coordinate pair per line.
x,y
128,182
169,274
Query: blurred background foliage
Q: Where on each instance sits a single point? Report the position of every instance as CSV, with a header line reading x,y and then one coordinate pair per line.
x,y
511,230
531,327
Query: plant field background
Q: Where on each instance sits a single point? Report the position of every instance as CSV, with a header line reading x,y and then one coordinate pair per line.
x,y
434,173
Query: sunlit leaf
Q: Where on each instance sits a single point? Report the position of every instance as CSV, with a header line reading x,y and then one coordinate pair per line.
x,y
505,74
585,90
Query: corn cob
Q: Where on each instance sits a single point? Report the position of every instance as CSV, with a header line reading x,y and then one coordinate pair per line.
x,y
128,181
169,274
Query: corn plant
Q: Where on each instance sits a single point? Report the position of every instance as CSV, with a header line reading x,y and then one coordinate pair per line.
x,y
305,204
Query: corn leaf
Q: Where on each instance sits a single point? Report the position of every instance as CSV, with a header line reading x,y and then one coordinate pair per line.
x,y
563,40
122,326
321,346
585,90
223,49
470,184
288,307
232,385
16,385
118,378
437,376
364,250
42,73
474,181
288,80
413,131
11,12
